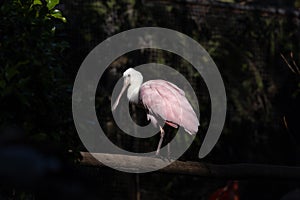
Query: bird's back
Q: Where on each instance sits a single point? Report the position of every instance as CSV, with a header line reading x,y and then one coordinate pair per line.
x,y
166,100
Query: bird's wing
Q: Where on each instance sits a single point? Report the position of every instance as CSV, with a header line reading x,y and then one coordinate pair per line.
x,y
166,100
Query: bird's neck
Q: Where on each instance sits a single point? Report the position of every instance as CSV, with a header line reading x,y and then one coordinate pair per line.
x,y
133,91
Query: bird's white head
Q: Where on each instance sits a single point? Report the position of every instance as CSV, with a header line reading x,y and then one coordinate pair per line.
x,y
133,76
133,80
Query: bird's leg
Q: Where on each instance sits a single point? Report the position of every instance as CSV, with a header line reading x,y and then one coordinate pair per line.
x,y
169,151
162,133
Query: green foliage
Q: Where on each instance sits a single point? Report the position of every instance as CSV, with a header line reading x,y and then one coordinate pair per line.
x,y
33,85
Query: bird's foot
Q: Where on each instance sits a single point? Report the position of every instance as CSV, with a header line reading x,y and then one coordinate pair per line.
x,y
162,157
169,158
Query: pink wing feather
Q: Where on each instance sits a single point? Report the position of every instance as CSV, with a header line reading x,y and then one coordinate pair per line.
x,y
166,100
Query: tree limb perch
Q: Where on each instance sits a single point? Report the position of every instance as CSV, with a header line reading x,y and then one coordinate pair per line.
x,y
228,171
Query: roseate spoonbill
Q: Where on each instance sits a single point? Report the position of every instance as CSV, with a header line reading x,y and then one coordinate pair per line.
x,y
162,99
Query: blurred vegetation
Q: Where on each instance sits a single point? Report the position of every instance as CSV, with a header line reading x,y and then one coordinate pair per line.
x,y
34,89
260,87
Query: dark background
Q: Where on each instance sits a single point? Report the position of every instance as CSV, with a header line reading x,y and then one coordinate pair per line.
x,y
255,45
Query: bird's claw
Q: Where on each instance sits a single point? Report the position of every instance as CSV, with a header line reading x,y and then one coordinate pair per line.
x,y
168,158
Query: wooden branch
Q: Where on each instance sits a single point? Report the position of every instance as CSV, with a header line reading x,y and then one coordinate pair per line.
x,y
230,171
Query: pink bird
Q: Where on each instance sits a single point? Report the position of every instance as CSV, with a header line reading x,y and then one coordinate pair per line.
x,y
162,99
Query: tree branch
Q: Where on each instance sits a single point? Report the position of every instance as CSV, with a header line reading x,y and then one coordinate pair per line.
x,y
230,171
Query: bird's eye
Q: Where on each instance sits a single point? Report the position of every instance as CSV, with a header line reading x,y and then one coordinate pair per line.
x,y
128,75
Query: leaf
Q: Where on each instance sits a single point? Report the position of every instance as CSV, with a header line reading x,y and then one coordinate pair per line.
x,y
58,15
111,4
37,2
52,3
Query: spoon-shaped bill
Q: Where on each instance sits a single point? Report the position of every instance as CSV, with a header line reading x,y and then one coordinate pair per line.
x,y
125,85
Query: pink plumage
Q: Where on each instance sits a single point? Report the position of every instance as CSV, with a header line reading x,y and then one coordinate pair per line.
x,y
164,99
